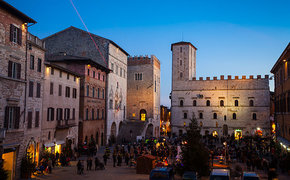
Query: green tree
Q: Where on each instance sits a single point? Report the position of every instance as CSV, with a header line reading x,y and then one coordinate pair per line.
x,y
195,156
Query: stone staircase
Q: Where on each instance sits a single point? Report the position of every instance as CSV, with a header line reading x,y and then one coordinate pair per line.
x,y
130,130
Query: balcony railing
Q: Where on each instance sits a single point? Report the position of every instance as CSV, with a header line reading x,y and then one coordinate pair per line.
x,y
63,124
36,40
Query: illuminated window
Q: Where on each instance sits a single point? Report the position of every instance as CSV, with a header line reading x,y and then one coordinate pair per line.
x,y
236,103
222,103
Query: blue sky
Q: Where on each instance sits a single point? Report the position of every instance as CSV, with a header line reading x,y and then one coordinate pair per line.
x,y
233,37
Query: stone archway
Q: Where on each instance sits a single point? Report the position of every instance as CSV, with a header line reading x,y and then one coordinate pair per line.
x,y
149,131
113,133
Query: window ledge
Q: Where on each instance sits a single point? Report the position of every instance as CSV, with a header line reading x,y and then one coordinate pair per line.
x,y
12,79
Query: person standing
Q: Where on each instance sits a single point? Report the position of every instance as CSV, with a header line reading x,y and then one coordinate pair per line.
x,y
105,157
114,158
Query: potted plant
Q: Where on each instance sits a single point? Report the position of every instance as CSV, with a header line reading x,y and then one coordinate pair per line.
x,y
27,166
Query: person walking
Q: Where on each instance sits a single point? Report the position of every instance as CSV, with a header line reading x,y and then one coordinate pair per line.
x,y
79,168
105,157
127,157
114,158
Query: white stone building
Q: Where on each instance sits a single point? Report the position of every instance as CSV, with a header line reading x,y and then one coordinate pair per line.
x,y
221,106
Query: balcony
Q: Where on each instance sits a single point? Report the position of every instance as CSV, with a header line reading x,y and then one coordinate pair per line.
x,y
64,124
36,40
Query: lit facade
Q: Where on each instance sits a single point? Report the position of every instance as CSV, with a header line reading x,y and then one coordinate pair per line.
x,y
238,106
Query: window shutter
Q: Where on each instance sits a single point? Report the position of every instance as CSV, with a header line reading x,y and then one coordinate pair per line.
x,y
37,119
6,117
17,118
11,32
10,69
18,70
52,114
19,40
48,114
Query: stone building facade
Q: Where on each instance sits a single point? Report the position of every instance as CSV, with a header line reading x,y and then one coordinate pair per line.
x,y
92,95
238,106
143,93
13,81
34,95
60,108
77,42
281,71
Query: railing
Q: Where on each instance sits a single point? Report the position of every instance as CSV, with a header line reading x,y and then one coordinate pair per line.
x,y
62,124
36,40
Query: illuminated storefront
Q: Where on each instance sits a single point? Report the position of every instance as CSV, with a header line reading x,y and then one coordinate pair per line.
x,y
214,133
9,158
259,132
238,134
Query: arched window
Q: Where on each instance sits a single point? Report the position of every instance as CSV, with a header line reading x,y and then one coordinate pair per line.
x,y
234,116
251,103
194,103
214,116
200,116
184,115
181,103
254,116
236,103
225,117
208,103
222,103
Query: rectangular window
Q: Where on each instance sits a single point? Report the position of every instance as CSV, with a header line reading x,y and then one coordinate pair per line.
x,y
67,76
58,114
87,114
60,74
103,114
74,93
36,119
99,76
155,85
50,114
15,34
14,70
88,72
73,113
88,89
66,114
31,62
98,92
103,93
30,91
59,90
74,79
29,120
51,88
52,71
39,63
112,67
121,72
94,74
12,117
117,68
98,114
67,92
38,89
93,92
93,114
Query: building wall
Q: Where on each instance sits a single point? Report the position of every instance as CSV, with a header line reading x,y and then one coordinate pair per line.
x,y
144,93
12,91
55,101
116,90
189,89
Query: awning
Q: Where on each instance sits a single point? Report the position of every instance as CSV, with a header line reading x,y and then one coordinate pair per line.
x,y
59,142
49,144
283,141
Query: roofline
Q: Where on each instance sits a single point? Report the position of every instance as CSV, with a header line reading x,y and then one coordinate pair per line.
x,y
51,64
16,12
183,43
112,42
280,58
87,60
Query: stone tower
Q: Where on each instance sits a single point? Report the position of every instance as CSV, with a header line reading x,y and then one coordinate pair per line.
x,y
183,62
